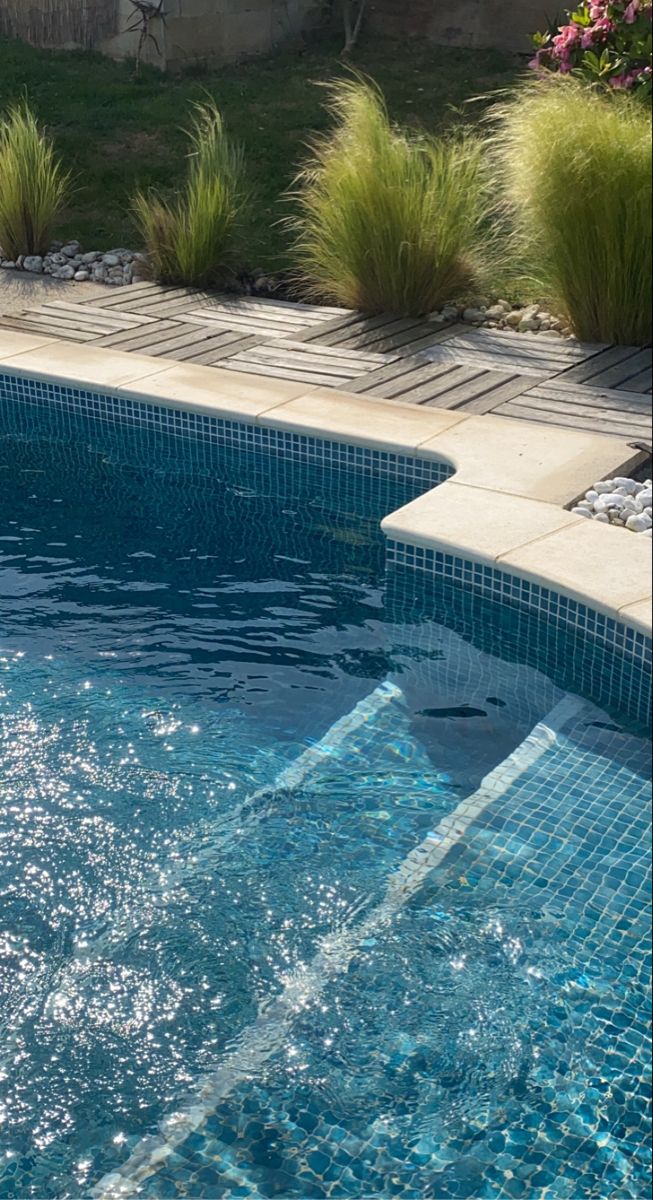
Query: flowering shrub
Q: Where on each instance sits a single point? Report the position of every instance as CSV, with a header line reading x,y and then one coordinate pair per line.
x,y
605,42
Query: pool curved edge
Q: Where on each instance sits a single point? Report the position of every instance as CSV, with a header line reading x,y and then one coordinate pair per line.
x,y
503,507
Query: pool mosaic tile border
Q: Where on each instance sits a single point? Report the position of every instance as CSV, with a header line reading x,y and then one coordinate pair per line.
x,y
221,431
630,678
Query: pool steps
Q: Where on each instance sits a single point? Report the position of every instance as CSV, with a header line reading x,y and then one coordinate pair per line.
x,y
288,780
261,1040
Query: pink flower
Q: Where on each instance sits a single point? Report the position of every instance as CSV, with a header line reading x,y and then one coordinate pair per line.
x,y
632,12
597,11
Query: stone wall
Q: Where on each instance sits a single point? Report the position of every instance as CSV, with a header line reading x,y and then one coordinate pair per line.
x,y
222,30
505,24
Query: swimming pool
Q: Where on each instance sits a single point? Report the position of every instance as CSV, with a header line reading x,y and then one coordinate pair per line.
x,y
324,863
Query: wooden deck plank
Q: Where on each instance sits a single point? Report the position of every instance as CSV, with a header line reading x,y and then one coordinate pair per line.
x,y
284,368
162,307
270,371
385,334
158,305
610,400
407,341
139,339
275,310
115,295
444,385
527,354
371,330
84,325
169,338
403,376
331,332
85,320
217,353
247,322
280,359
328,354
485,394
640,383
136,294
119,320
23,324
574,418
616,362
624,376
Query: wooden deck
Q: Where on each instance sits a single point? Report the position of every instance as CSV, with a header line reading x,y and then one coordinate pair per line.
x,y
414,361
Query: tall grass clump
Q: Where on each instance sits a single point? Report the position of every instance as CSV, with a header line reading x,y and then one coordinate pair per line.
x,y
190,238
33,184
576,168
387,220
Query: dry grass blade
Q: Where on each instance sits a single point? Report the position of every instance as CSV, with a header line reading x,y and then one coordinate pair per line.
x,y
388,221
190,238
33,185
576,171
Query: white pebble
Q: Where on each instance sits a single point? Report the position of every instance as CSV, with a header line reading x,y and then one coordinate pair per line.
x,y
639,523
630,486
603,486
603,517
582,512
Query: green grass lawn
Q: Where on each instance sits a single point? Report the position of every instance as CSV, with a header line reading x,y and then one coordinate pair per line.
x,y
119,133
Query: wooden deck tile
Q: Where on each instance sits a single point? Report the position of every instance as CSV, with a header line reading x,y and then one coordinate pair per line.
x,y
179,341
626,367
135,294
266,318
530,354
307,362
246,322
622,413
48,327
382,334
443,385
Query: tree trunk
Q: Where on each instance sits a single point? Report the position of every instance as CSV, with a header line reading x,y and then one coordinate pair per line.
x,y
353,13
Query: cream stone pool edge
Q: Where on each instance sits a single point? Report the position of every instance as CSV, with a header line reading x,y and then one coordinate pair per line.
x,y
504,506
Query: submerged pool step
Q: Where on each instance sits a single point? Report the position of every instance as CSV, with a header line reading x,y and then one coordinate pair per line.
x,y
265,1037
223,832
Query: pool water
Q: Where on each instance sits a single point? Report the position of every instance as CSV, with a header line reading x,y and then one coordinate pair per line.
x,y
240,952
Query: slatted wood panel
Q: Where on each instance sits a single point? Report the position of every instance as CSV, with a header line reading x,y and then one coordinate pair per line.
x,y
621,413
181,342
626,367
529,354
381,334
137,293
265,318
445,385
310,363
59,320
